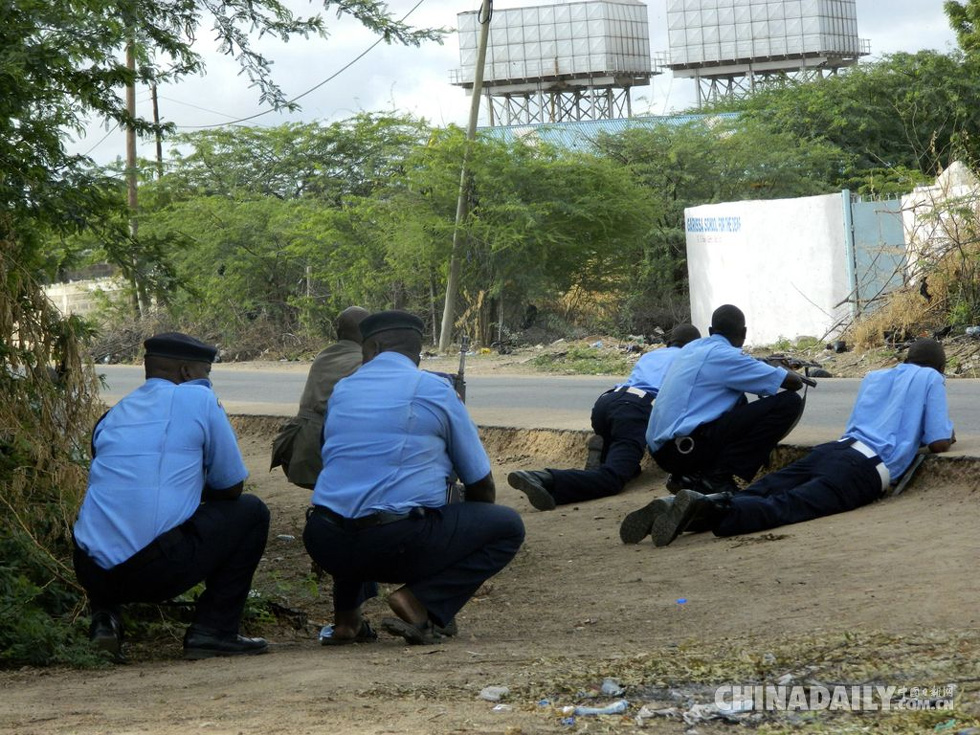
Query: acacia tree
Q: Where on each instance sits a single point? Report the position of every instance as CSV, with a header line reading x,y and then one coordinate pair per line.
x,y
900,120
964,19
542,221
275,216
60,65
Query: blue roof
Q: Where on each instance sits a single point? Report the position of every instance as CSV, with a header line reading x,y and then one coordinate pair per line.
x,y
581,134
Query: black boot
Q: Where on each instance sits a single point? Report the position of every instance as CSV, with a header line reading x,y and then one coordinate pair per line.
x,y
106,632
715,482
690,507
636,525
201,642
536,484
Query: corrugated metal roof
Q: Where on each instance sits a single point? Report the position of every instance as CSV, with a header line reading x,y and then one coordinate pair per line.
x,y
581,134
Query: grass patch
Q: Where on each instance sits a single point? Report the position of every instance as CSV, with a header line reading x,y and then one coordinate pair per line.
x,y
584,360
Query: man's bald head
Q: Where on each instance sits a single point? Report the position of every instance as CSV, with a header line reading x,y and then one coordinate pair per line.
x,y
681,334
729,322
927,352
348,323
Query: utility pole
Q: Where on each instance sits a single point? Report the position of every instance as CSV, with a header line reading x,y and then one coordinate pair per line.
x,y
156,122
131,198
462,203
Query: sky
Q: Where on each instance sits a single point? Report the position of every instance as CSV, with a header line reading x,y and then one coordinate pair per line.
x,y
355,77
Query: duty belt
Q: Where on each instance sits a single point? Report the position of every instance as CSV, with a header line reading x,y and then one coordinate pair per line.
x,y
882,469
380,518
645,394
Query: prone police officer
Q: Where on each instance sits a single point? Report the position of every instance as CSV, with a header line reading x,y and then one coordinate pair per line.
x,y
897,413
619,419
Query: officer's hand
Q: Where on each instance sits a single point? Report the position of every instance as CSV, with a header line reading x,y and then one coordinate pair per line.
x,y
792,381
482,491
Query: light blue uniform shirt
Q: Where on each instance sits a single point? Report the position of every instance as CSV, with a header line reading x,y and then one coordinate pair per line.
x,y
393,435
649,371
154,452
899,409
705,380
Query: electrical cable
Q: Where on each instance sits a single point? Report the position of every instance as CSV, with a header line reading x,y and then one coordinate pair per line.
x,y
103,140
310,90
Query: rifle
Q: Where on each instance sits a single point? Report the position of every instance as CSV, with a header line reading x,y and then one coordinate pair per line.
x,y
459,379
906,477
799,366
455,491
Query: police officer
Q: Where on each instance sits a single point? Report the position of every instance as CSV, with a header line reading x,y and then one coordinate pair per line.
x,y
164,509
393,436
619,418
297,446
703,427
896,412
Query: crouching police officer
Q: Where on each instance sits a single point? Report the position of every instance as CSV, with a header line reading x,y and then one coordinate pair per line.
x,y
164,508
394,434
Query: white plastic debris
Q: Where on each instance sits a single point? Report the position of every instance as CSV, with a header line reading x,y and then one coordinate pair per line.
x,y
494,693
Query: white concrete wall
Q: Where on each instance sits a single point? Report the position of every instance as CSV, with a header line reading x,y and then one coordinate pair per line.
x,y
783,262
83,297
931,229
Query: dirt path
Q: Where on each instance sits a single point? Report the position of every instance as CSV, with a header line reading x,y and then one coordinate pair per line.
x,y
887,593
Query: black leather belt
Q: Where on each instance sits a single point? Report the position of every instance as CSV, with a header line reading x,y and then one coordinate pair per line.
x,y
380,518
644,395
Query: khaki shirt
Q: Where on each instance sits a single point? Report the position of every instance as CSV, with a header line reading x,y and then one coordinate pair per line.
x,y
297,446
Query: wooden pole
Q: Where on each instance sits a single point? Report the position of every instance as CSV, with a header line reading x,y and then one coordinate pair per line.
x,y
462,203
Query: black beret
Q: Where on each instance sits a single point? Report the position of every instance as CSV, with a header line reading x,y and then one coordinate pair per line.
x,y
382,321
178,346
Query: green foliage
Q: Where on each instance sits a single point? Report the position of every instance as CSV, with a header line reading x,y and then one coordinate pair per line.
x,y
34,627
60,66
330,163
542,221
964,19
897,121
584,360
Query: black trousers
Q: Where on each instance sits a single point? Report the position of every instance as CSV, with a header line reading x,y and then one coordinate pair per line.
x,y
738,442
221,545
443,554
621,419
832,478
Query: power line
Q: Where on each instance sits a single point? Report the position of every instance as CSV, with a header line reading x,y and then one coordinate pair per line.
x,y
196,107
103,140
310,90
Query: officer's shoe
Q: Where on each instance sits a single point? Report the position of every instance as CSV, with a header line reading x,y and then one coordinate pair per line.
x,y
201,642
689,507
536,485
106,632
594,459
677,482
415,635
637,525
449,630
715,483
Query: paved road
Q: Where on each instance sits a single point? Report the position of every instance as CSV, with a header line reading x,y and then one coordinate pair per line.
x,y
541,401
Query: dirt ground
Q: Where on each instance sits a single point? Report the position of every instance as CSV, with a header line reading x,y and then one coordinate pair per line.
x,y
886,594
